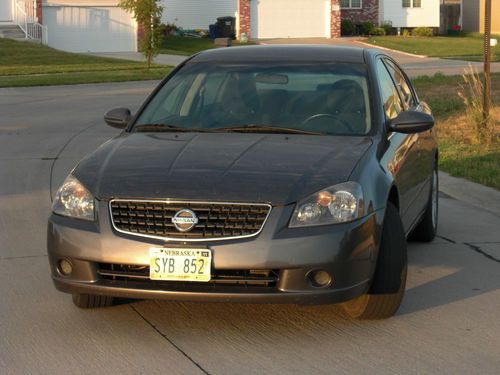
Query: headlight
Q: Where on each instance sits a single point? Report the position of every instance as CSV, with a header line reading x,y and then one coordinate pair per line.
x,y
74,200
337,204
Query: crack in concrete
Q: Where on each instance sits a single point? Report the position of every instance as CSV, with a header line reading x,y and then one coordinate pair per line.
x,y
474,247
170,341
481,251
446,239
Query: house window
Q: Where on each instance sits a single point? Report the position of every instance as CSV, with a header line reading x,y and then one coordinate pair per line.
x,y
353,4
412,3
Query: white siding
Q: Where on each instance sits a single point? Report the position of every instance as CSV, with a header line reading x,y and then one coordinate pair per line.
x,y
95,3
197,14
427,15
290,18
6,10
90,28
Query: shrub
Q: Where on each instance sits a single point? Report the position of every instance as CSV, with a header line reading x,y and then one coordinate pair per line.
x,y
472,95
387,26
406,33
377,31
168,29
422,31
347,27
366,27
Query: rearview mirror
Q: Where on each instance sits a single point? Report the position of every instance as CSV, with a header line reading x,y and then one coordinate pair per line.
x,y
117,118
411,122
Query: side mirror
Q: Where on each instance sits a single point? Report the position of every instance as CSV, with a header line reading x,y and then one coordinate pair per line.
x,y
411,122
117,118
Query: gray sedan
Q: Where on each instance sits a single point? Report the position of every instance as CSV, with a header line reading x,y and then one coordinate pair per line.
x,y
260,174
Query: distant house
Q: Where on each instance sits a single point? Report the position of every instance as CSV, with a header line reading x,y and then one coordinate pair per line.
x,y
260,18
400,13
473,16
102,26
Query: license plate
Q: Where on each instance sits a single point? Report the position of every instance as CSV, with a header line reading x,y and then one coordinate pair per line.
x,y
179,264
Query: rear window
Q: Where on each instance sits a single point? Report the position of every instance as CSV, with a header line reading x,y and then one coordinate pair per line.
x,y
326,98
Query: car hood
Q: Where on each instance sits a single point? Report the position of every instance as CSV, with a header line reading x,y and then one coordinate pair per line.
x,y
272,168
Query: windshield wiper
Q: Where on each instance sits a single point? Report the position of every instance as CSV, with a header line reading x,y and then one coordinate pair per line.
x,y
168,128
265,129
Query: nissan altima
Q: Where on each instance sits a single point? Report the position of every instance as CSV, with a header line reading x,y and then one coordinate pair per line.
x,y
260,174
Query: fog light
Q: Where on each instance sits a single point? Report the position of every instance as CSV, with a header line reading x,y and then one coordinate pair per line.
x,y
320,278
65,268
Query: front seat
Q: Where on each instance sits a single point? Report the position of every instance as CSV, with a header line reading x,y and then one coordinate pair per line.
x,y
346,99
240,101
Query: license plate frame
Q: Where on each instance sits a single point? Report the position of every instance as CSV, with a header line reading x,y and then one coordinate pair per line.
x,y
180,264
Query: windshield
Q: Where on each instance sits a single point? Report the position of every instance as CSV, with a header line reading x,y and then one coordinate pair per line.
x,y
305,99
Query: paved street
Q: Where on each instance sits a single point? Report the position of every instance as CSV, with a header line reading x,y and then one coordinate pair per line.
x,y
448,322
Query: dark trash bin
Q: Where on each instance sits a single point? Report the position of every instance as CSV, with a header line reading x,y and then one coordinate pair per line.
x,y
226,27
213,31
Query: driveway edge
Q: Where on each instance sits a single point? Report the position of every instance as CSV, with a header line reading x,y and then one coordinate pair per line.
x,y
390,49
470,192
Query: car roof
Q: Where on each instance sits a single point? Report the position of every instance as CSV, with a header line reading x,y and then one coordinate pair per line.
x,y
283,53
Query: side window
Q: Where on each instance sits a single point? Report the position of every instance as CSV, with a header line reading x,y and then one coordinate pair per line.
x,y
388,92
402,84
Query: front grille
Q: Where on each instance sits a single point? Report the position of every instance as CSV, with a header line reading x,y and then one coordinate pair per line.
x,y
230,278
215,220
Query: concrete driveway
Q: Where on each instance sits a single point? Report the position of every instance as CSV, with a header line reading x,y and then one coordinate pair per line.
x,y
448,322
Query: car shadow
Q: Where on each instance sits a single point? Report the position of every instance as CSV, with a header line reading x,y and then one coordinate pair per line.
x,y
442,273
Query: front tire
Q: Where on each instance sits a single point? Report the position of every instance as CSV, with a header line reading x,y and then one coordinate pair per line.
x,y
90,301
389,281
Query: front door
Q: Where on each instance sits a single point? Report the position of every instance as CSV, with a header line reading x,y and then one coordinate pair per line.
x,y
6,10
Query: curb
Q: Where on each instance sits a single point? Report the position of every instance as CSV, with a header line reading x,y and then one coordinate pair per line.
x,y
469,192
390,49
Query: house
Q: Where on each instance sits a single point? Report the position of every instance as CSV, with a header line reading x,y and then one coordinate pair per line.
x,y
400,13
102,26
260,18
74,25
473,15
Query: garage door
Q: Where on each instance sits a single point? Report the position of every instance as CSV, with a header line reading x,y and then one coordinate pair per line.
x,y
290,18
90,29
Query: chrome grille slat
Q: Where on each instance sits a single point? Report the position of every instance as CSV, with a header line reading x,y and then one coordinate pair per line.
x,y
216,220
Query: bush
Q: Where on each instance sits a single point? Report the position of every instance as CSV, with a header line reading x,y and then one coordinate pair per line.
x,y
387,26
365,28
168,29
347,27
406,33
377,31
422,31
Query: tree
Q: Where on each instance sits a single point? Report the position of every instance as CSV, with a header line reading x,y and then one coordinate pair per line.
x,y
147,13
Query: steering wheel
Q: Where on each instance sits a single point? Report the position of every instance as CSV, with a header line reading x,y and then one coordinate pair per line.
x,y
339,119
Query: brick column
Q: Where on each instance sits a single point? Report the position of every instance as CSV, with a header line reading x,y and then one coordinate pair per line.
x,y
39,11
244,17
335,19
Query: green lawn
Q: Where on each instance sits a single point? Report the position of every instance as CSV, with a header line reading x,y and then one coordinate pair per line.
x,y
186,46
463,48
459,155
30,64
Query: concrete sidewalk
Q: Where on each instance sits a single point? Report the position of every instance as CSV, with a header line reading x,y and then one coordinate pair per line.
x,y
471,193
173,60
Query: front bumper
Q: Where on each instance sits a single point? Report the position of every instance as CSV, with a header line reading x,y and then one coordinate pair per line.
x,y
348,252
